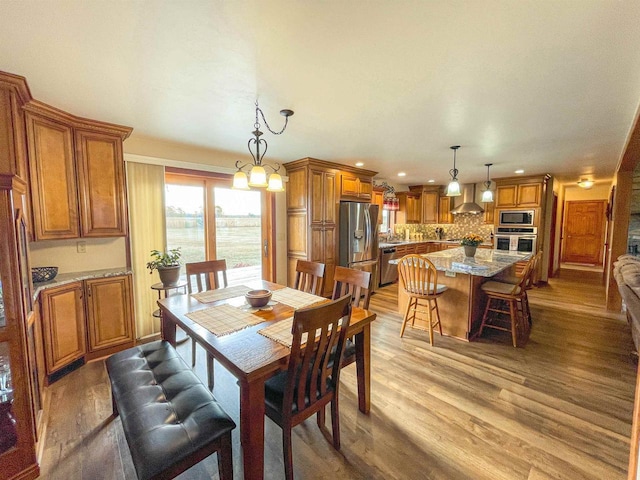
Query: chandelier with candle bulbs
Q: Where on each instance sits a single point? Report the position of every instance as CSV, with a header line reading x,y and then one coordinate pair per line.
x,y
257,174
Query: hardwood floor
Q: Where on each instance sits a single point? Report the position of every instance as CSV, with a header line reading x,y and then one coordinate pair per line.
x,y
560,408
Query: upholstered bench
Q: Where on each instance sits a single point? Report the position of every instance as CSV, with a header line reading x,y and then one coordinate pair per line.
x,y
170,419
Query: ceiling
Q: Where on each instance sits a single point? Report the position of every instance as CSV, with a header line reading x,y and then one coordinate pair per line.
x,y
546,86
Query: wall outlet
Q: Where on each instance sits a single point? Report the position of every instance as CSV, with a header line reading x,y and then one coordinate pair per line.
x,y
82,247
447,273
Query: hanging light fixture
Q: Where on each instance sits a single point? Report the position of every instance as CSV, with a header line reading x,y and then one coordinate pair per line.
x,y
257,173
585,183
487,195
453,190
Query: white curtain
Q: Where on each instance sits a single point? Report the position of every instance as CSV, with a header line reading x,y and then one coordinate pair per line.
x,y
145,189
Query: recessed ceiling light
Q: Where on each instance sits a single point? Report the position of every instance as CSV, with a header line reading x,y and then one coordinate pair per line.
x,y
431,180
359,164
519,171
402,174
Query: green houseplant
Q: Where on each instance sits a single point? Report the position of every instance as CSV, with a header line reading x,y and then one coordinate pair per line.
x,y
167,264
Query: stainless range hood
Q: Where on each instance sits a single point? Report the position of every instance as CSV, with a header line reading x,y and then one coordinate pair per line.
x,y
469,204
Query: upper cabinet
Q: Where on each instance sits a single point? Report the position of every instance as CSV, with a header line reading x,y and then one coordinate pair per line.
x,y
445,206
377,198
410,208
355,187
14,93
77,175
518,195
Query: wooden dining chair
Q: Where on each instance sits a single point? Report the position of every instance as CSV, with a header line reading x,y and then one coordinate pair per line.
x,y
311,381
309,277
508,299
357,284
419,279
202,276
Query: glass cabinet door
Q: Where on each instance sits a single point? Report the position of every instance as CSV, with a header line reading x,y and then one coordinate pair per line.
x,y
8,432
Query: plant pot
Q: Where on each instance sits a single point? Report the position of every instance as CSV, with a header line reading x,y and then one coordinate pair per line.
x,y
469,250
169,275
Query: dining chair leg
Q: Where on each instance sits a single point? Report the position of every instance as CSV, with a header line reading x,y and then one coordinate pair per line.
x,y
415,312
320,418
435,301
210,371
484,317
430,314
514,322
286,452
193,352
335,422
225,459
406,317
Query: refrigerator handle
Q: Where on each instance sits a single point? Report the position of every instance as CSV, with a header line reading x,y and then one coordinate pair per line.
x,y
367,231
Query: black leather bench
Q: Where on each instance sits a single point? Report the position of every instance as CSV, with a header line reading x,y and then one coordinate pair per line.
x,y
170,419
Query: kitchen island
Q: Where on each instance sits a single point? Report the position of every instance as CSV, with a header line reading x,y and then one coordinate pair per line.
x,y
462,305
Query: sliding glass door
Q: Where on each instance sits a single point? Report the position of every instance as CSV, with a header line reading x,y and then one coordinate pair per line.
x,y
208,220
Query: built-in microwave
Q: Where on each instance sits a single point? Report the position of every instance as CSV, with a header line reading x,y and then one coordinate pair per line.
x,y
516,218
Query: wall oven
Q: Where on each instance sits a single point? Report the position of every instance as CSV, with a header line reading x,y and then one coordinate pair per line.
x,y
516,218
520,239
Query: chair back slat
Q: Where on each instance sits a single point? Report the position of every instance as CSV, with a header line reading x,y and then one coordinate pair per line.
x,y
418,276
317,331
309,277
209,275
357,283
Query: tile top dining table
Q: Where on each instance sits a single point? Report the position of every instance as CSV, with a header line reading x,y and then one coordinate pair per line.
x,y
252,358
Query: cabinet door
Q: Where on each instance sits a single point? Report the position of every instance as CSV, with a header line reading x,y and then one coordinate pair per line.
x,y
63,320
109,311
365,189
378,199
53,179
13,155
430,207
349,186
489,210
529,195
323,250
506,196
322,197
444,210
101,184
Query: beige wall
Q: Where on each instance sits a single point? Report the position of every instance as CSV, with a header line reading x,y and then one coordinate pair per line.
x,y
599,191
161,152
100,253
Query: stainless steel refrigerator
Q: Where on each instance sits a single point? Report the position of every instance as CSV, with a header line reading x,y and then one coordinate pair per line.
x,y
359,238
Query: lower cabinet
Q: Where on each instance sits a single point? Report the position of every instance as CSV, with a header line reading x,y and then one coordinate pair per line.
x,y
64,325
86,319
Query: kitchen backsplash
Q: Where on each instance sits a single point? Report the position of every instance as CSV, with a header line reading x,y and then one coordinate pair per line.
x,y
463,223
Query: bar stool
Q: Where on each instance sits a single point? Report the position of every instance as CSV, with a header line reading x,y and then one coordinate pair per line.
x,y
419,279
514,296
531,281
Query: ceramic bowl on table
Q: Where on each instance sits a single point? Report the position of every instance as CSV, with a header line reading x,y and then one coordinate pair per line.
x,y
258,298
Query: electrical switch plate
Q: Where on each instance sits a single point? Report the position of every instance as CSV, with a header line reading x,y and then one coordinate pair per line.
x,y
82,247
449,273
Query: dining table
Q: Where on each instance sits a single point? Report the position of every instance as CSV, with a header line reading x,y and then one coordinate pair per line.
x,y
252,357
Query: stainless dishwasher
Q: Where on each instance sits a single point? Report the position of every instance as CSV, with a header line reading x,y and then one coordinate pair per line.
x,y
388,273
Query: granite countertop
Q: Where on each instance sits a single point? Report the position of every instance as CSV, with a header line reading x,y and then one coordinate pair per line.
x,y
428,240
65,278
486,263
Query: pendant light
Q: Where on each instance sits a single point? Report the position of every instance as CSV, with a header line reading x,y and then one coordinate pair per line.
x,y
257,173
487,195
453,189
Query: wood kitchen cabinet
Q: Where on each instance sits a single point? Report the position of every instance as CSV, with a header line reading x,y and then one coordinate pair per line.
x,y
353,187
313,198
77,175
445,205
14,93
378,199
109,312
522,195
429,202
489,210
410,208
64,325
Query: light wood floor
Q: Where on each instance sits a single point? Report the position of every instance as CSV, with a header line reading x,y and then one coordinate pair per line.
x,y
560,408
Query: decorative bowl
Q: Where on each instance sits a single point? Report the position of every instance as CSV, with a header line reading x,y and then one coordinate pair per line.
x,y
43,274
258,298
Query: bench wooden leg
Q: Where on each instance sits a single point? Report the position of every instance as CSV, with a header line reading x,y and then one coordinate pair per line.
x,y
114,406
225,458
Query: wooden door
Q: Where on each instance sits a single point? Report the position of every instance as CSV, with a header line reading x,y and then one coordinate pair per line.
x,y
53,179
109,312
64,325
101,184
584,231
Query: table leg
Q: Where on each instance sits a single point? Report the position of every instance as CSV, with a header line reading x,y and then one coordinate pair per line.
x,y
363,368
167,329
252,427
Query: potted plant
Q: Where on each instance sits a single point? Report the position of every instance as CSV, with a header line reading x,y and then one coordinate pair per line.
x,y
167,264
470,242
